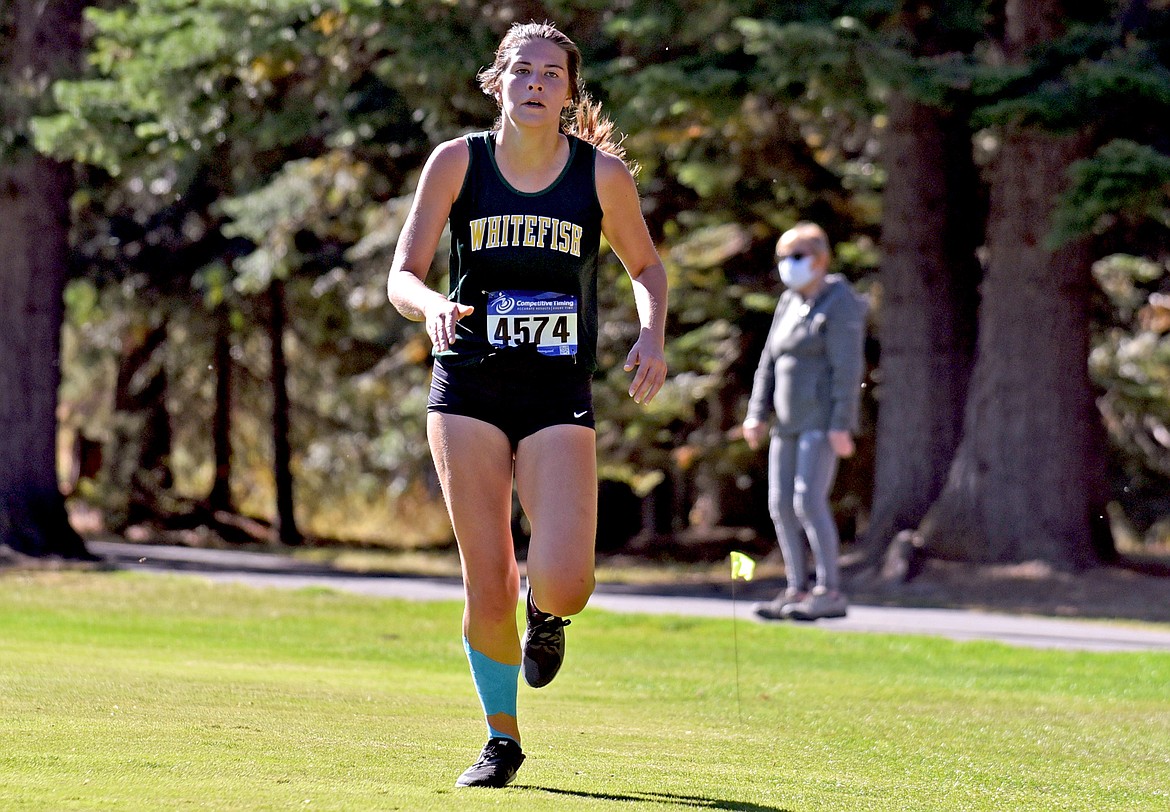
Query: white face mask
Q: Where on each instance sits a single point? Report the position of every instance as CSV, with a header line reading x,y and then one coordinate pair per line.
x,y
796,273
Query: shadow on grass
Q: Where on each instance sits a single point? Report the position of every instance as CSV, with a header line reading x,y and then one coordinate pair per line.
x,y
693,801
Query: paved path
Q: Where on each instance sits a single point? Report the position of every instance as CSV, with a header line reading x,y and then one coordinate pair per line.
x,y
270,570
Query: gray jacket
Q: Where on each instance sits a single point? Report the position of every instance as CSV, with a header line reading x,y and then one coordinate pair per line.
x,y
811,368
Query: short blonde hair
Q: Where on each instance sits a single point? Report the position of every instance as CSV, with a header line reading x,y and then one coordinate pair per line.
x,y
810,231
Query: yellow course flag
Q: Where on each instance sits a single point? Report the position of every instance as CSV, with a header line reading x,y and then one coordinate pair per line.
x,y
742,566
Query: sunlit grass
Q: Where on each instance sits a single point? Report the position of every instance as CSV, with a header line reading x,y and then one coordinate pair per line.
x,y
134,692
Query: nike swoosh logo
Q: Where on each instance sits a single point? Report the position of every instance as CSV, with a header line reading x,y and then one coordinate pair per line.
x,y
579,415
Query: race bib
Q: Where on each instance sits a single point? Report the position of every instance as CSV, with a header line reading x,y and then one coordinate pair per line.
x,y
547,321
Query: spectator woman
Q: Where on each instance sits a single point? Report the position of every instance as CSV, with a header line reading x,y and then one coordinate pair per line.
x,y
807,386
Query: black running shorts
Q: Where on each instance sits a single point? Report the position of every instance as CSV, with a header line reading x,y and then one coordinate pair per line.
x,y
517,398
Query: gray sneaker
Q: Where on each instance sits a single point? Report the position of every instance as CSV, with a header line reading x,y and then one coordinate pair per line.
x,y
820,603
776,608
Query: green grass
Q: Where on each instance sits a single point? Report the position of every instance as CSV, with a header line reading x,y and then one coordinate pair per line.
x,y
135,692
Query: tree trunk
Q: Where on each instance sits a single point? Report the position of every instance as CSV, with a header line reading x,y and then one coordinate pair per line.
x,y
137,470
929,283
220,498
1025,482
286,523
43,43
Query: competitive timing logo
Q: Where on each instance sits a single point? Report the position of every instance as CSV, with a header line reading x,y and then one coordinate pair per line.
x,y
504,304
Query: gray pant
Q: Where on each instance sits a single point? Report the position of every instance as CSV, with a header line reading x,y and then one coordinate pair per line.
x,y
801,469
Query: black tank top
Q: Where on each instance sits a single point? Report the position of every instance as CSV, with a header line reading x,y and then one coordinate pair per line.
x,y
526,250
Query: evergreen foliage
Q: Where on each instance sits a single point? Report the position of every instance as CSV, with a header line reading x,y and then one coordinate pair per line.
x,y
229,143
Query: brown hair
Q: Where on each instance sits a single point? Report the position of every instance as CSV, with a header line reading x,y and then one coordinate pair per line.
x,y
583,118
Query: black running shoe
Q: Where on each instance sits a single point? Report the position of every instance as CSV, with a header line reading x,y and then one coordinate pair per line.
x,y
496,767
544,645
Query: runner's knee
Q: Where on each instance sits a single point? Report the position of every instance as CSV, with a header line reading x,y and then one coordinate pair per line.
x,y
563,598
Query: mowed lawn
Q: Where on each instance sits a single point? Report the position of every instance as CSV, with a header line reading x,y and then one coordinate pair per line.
x,y
137,692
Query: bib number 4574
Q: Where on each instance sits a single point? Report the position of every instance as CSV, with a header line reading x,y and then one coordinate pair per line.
x,y
546,321
531,330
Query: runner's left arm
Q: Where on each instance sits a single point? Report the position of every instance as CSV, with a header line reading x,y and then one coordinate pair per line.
x,y
625,230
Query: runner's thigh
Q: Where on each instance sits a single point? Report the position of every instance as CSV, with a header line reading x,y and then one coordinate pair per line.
x,y
474,463
556,478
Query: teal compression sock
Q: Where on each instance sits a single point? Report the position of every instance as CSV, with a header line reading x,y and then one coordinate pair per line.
x,y
495,682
